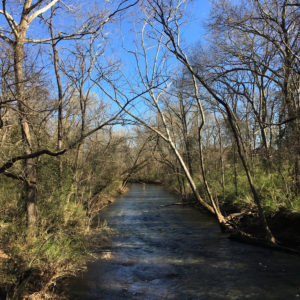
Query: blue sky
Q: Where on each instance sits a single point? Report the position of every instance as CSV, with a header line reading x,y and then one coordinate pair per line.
x,y
198,11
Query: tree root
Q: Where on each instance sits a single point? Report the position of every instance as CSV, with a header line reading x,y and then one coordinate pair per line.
x,y
251,239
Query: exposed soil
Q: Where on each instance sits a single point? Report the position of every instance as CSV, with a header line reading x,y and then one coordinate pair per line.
x,y
286,227
284,224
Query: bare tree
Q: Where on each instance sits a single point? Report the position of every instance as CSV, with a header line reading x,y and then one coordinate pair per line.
x,y
269,33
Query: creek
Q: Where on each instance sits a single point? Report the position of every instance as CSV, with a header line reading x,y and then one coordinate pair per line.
x,y
176,252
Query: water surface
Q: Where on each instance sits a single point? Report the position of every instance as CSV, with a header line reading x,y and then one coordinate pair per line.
x,y
177,252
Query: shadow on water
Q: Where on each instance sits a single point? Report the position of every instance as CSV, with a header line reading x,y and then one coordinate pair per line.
x,y
178,253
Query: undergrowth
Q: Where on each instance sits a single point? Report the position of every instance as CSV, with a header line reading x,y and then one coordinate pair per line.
x,y
33,260
274,188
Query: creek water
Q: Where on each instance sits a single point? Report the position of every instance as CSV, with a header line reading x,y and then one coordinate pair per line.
x,y
175,252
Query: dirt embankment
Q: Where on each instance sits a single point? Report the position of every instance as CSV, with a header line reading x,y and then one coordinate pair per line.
x,y
284,224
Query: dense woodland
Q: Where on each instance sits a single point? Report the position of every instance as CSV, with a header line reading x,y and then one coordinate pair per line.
x,y
217,122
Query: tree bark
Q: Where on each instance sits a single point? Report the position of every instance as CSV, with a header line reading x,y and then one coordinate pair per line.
x,y
59,93
29,164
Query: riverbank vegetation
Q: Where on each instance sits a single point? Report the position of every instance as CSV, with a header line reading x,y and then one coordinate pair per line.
x,y
217,122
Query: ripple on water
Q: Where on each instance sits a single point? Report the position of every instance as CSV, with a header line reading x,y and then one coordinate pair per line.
x,y
177,252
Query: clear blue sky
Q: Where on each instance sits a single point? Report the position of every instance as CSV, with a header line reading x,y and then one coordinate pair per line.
x,y
198,11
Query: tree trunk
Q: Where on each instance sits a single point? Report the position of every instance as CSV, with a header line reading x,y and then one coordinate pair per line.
x,y
235,170
215,205
185,134
59,92
190,179
30,167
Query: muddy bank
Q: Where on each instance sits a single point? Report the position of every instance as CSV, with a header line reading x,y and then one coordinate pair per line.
x,y
176,252
284,224
286,227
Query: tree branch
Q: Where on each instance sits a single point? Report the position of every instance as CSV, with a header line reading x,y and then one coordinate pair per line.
x,y
10,20
41,11
8,164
